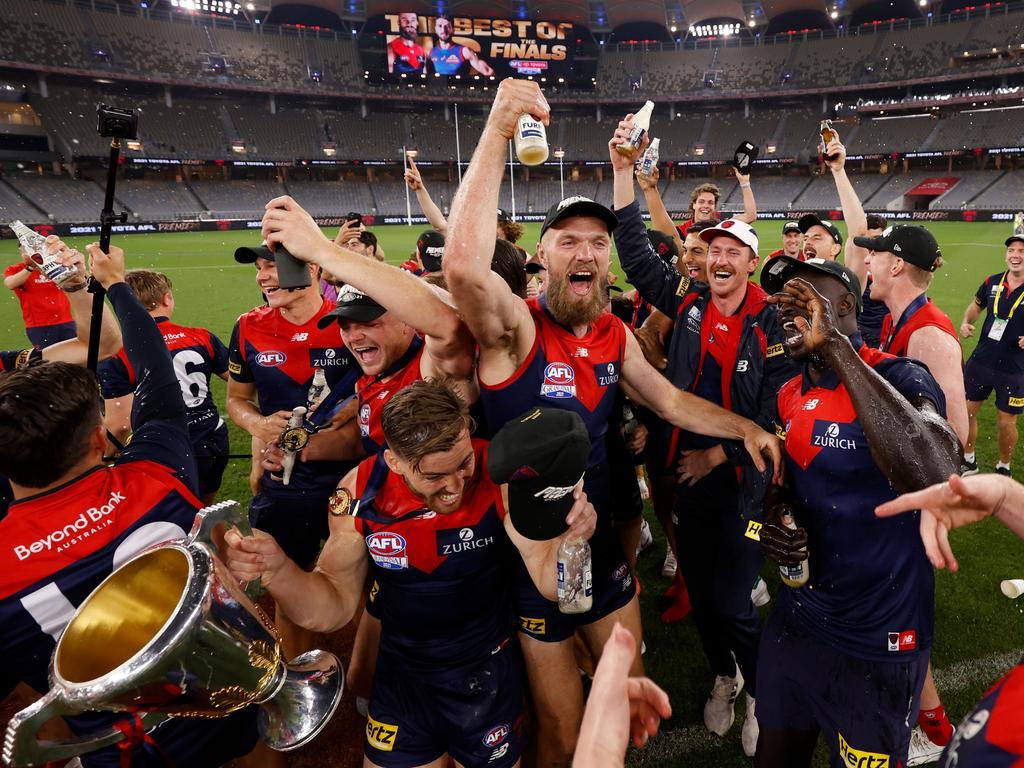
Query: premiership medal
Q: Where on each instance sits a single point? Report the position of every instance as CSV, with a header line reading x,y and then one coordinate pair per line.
x,y
339,503
294,439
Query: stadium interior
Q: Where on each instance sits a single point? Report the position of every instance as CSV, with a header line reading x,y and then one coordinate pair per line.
x,y
245,104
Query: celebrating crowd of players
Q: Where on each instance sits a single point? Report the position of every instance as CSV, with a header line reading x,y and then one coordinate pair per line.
x,y
776,417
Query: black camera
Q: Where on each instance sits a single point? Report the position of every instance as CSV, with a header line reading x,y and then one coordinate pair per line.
x,y
114,123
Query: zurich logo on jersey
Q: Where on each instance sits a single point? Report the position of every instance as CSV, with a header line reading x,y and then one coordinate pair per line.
x,y
388,550
271,358
834,435
559,381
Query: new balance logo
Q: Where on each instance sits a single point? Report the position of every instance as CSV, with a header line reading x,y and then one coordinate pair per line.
x,y
300,337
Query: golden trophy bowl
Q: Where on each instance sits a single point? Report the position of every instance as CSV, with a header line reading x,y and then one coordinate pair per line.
x,y
171,633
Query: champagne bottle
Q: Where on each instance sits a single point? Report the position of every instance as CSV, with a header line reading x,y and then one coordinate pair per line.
x,y
41,254
641,123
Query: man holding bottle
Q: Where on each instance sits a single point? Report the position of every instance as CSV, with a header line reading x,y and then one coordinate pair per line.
x,y
845,655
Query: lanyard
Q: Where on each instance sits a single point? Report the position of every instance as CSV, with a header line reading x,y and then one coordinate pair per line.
x,y
908,313
999,292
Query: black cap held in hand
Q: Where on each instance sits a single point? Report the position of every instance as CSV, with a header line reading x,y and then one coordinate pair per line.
x,y
541,455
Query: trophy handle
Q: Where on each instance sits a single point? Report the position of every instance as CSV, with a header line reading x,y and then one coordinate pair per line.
x,y
21,747
208,518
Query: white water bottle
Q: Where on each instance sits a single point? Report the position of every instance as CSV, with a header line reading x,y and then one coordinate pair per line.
x,y
650,159
575,576
531,141
794,575
640,125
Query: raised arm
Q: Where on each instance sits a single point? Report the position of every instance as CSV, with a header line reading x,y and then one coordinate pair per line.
x,y
414,302
492,312
853,211
749,214
427,204
660,220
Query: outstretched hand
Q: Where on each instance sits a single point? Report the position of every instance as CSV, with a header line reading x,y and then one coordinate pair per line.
x,y
958,502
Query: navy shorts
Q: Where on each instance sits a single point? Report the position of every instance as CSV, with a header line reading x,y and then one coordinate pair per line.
x,y
297,523
211,460
43,336
474,713
864,709
980,381
613,583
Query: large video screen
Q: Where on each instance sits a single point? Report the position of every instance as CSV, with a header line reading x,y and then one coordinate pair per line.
x,y
415,44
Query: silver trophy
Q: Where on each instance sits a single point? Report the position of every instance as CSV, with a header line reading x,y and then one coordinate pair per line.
x,y
172,634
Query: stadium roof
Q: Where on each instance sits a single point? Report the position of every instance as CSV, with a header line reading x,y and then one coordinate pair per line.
x,y
613,13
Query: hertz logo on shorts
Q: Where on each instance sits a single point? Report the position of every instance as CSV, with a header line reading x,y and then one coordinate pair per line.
x,y
774,350
533,626
234,367
1016,402
753,530
856,758
381,735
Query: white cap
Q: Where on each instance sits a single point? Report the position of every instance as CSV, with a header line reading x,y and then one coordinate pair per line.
x,y
736,228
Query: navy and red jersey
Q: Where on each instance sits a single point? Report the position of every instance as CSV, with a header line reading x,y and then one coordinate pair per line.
x,y
991,736
1004,355
683,228
920,313
872,314
871,590
280,357
197,355
60,544
375,391
409,56
42,302
447,577
575,373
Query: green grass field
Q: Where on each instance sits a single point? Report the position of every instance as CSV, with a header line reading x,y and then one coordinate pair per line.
x,y
978,634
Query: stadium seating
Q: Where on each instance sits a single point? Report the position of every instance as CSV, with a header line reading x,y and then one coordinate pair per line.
x,y
1006,193
14,207
152,199
332,198
235,199
66,199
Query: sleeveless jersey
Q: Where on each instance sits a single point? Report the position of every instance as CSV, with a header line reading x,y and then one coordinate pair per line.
x,y
448,61
280,358
447,577
871,591
197,355
375,391
920,313
409,56
579,374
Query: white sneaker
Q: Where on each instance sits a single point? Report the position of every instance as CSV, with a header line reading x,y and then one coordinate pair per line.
x,y
668,568
646,537
759,594
750,729
922,749
363,706
719,714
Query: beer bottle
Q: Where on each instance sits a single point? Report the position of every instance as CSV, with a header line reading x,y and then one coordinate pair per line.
x,y
575,576
641,124
531,141
828,135
650,159
794,575
318,389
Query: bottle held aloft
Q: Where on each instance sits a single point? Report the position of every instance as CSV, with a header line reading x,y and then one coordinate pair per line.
x,y
649,161
531,141
641,123
828,135
41,253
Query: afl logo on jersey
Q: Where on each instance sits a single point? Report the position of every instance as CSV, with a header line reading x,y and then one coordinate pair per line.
x,y
387,550
559,381
496,735
271,358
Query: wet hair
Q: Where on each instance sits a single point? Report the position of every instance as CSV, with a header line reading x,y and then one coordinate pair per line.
x,y
875,221
149,286
511,230
47,413
701,188
507,263
423,418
